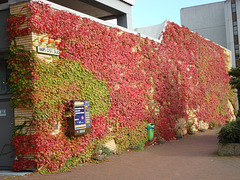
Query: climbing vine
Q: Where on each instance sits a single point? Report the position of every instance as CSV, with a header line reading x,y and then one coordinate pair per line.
x,y
128,79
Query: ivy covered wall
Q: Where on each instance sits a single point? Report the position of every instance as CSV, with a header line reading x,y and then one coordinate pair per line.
x,y
129,80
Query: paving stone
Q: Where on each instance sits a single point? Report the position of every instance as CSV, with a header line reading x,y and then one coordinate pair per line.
x,y
192,157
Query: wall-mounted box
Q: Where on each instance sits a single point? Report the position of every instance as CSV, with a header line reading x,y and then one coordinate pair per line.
x,y
78,118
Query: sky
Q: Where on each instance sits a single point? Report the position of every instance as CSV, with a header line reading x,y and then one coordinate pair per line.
x,y
152,12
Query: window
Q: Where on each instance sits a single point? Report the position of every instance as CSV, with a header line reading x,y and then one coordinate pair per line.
x,y
234,16
236,52
235,33
233,8
236,46
4,75
235,30
235,39
234,23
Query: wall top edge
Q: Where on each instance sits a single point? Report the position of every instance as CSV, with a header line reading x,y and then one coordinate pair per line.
x,y
5,6
201,5
59,7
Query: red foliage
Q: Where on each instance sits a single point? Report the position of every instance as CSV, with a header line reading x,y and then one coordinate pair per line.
x,y
13,27
148,81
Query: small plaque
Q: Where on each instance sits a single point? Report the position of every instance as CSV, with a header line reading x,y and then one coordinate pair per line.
x,y
46,50
56,126
3,112
82,131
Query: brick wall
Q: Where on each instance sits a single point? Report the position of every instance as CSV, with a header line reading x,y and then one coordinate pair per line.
x,y
229,59
21,115
30,42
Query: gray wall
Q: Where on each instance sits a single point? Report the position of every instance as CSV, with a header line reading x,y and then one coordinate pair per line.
x,y
6,119
124,20
102,9
154,31
4,43
213,21
208,20
229,30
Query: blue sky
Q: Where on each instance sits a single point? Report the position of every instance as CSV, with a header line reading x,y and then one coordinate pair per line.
x,y
151,12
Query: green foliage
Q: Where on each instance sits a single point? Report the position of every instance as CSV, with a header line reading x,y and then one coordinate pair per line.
x,y
213,124
126,137
71,162
64,80
138,147
104,150
189,127
117,71
21,62
235,82
230,133
235,79
23,128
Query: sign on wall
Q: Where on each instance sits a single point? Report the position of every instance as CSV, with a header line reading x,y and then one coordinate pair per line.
x,y
82,118
47,50
3,112
78,120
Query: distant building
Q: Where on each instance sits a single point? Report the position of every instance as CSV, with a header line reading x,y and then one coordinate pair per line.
x,y
154,31
103,9
218,22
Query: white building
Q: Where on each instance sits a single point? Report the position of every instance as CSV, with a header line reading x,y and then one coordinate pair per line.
x,y
218,22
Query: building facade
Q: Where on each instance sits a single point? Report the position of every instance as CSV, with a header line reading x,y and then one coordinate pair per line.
x,y
98,10
154,31
218,22
57,56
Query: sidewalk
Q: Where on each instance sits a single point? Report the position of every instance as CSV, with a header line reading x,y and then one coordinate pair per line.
x,y
192,157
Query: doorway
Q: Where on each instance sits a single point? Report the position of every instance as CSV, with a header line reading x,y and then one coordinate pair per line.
x,y
6,119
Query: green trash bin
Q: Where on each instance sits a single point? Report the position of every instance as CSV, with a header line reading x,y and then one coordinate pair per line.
x,y
150,131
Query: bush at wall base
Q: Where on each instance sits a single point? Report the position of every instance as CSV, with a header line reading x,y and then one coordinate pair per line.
x,y
230,133
229,139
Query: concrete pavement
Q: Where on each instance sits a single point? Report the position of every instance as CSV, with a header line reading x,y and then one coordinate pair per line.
x,y
192,157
